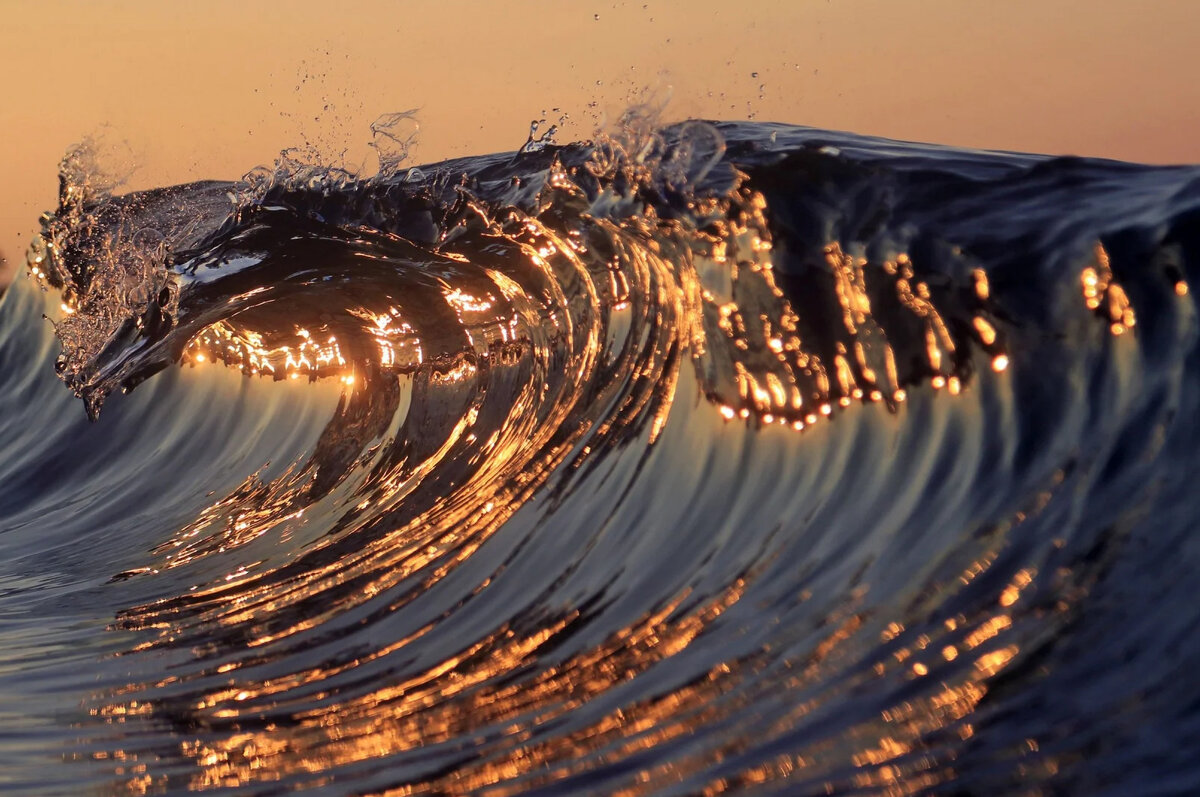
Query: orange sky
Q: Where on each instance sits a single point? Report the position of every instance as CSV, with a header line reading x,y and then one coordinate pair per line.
x,y
212,89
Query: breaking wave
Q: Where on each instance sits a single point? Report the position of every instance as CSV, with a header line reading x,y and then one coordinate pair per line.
x,y
703,458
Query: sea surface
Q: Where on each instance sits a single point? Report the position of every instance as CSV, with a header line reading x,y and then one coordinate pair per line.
x,y
693,459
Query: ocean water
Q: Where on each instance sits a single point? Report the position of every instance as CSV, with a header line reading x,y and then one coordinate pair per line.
x,y
698,459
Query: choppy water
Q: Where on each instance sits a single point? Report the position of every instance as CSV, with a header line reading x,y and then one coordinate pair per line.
x,y
717,458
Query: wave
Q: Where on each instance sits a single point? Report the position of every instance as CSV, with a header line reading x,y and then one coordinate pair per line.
x,y
710,457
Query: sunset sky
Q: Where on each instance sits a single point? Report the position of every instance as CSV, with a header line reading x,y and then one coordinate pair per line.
x,y
213,89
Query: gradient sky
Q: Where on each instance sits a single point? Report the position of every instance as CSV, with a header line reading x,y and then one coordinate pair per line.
x,y
212,89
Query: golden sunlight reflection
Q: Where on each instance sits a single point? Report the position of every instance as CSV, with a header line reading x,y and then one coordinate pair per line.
x,y
475,394
246,350
1102,294
894,752
779,378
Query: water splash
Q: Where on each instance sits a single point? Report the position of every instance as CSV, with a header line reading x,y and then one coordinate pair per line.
x,y
535,142
394,138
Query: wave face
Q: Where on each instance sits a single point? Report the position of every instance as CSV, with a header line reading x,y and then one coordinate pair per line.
x,y
719,457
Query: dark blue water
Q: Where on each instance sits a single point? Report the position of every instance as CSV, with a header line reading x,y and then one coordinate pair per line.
x,y
713,458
